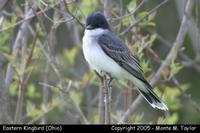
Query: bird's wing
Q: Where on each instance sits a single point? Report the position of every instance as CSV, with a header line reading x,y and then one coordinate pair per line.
x,y
118,51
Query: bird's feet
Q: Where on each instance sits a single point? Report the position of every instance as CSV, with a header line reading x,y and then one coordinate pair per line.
x,y
107,77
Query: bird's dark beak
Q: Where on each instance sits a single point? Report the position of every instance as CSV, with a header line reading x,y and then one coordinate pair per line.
x,y
89,27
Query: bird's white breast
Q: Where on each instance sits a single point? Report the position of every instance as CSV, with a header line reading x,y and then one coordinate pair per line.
x,y
96,57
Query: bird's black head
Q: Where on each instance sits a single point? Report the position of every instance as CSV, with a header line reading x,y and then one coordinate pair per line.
x,y
96,20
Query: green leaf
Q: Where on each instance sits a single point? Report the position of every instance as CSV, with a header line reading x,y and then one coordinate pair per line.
x,y
132,5
31,109
70,55
142,14
14,88
152,38
31,91
173,119
76,96
145,66
152,24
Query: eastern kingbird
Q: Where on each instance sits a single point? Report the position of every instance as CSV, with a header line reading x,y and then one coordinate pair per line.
x,y
106,53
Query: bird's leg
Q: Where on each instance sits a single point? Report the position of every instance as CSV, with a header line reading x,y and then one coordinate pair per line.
x,y
106,76
99,76
110,79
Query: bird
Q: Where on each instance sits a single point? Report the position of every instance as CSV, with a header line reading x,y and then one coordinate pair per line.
x,y
105,52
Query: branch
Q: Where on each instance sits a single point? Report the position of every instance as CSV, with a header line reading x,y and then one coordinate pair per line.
x,y
170,57
177,44
107,100
23,79
27,18
60,85
101,101
194,32
132,12
187,61
4,115
185,95
67,96
140,19
107,8
67,15
19,42
2,3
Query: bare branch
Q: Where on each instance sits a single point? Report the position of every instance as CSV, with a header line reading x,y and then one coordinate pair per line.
x,y
194,31
185,95
68,97
139,20
177,44
27,18
107,8
23,79
19,42
132,12
2,3
4,116
187,61
67,15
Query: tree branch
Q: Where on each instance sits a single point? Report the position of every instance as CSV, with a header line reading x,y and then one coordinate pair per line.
x,y
170,57
4,116
193,31
28,18
101,102
140,19
2,3
19,42
185,95
107,100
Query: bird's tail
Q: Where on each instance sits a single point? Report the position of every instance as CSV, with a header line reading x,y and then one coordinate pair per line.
x,y
151,97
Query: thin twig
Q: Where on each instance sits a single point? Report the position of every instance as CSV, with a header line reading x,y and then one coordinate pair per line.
x,y
18,44
140,19
22,81
187,96
131,13
66,13
177,44
187,61
51,43
68,97
28,18
44,114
